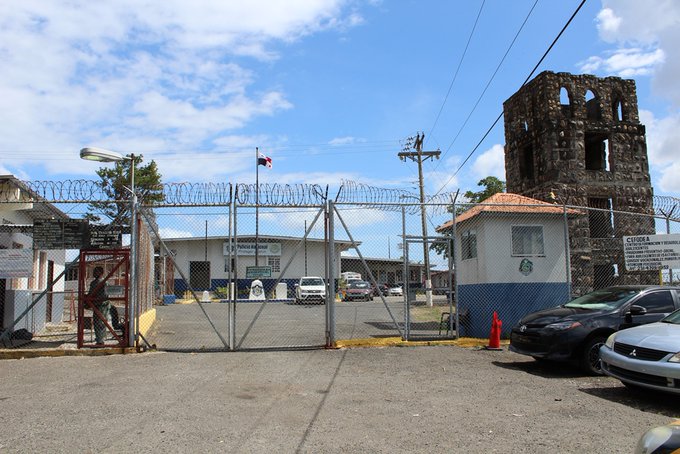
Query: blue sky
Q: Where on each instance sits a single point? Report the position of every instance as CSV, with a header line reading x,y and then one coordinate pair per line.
x,y
329,89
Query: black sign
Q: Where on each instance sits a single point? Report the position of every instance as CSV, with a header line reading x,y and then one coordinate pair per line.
x,y
105,237
59,233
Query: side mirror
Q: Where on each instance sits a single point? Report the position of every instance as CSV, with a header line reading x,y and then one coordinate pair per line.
x,y
637,310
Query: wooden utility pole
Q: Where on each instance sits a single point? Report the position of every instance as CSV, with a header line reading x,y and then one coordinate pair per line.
x,y
419,156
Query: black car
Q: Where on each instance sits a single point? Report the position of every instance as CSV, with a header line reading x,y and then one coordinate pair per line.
x,y
575,331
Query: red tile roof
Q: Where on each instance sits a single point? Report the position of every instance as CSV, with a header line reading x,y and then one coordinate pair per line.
x,y
504,202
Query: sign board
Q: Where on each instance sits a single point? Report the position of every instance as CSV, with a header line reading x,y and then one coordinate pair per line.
x,y
16,263
105,237
248,249
256,272
651,252
59,233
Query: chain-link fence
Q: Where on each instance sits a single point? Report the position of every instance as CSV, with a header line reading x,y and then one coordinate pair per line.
x,y
303,271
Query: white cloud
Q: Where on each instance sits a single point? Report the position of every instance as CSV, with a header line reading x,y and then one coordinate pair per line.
x,y
663,135
347,140
625,62
115,74
647,37
490,163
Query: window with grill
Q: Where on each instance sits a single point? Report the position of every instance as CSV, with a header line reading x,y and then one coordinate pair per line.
x,y
275,263
527,240
468,244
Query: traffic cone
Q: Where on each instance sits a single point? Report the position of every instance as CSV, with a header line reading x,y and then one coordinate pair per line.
x,y
495,335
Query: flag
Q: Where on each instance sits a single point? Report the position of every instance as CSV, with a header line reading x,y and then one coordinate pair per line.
x,y
263,160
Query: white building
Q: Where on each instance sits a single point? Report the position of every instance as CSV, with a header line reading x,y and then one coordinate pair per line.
x,y
205,262
26,272
512,258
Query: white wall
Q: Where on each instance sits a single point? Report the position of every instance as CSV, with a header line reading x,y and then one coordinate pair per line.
x,y
495,262
194,250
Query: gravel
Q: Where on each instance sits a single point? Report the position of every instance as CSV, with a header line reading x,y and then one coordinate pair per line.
x,y
396,399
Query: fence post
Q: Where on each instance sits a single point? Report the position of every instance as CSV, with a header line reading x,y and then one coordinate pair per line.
x,y
567,251
330,294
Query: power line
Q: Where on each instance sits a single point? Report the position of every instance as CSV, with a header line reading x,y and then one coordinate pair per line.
x,y
493,125
500,63
460,63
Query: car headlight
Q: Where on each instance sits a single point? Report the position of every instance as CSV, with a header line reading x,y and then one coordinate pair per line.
x,y
563,326
675,358
609,343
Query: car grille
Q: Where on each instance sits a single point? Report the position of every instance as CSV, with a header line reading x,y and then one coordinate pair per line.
x,y
639,377
641,353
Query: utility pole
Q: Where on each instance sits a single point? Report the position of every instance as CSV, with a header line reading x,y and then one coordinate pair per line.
x,y
419,156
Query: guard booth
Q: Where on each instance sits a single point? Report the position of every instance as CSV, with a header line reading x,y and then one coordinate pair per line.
x,y
116,279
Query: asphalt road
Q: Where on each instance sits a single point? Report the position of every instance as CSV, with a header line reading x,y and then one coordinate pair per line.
x,y
415,399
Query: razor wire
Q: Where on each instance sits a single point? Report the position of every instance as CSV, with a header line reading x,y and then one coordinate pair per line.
x,y
300,195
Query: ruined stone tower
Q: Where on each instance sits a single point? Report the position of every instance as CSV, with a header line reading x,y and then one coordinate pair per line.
x,y
579,137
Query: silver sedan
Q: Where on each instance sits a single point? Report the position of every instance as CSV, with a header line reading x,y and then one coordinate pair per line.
x,y
646,356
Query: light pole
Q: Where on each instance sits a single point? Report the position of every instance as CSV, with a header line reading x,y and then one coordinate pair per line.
x,y
103,155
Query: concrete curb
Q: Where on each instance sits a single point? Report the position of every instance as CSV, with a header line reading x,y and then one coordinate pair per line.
x,y
53,353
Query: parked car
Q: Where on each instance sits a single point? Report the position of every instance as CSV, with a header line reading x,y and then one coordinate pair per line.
x,y
660,439
646,356
359,290
396,291
381,289
310,289
575,331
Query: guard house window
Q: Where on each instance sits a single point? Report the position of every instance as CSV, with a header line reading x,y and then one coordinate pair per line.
x,y
597,151
527,240
601,218
275,263
468,244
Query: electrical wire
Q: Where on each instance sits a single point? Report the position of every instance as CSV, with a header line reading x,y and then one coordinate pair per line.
x,y
493,125
460,63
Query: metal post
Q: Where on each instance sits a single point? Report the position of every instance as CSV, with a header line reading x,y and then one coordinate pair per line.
x,y
233,290
567,251
330,294
133,325
405,286
456,293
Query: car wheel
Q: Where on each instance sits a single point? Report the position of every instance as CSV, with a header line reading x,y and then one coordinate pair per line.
x,y
590,360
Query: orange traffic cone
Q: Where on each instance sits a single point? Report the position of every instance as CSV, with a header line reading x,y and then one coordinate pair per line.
x,y
495,335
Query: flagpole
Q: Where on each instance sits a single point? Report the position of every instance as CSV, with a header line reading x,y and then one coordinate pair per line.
x,y
257,203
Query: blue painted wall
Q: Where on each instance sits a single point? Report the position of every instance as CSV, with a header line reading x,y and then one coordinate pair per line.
x,y
510,301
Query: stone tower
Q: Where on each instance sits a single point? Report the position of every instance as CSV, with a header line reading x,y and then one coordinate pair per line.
x,y
579,137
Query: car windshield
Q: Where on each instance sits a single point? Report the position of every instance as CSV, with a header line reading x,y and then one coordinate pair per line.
x,y
358,284
673,317
606,298
315,281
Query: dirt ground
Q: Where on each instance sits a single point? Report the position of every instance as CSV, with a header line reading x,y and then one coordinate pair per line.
x,y
395,399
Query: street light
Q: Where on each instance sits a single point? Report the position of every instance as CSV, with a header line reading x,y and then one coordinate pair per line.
x,y
102,155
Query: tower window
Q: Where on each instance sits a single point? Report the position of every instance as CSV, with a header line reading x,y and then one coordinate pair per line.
x,y
526,163
597,151
592,106
601,218
565,102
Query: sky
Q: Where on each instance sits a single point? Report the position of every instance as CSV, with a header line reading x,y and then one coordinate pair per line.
x,y
329,89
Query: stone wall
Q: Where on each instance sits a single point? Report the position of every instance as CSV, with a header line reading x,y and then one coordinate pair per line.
x,y
579,150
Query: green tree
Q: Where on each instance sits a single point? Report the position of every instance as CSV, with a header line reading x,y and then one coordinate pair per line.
x,y
115,184
492,185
